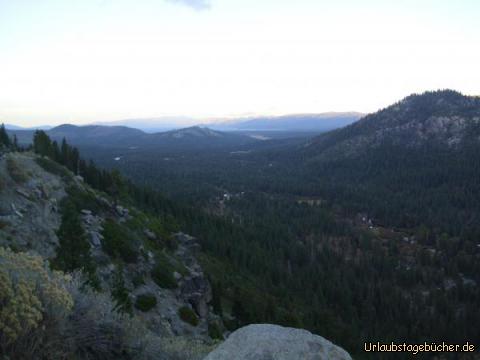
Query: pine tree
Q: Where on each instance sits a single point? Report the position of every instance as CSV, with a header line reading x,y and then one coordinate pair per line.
x,y
42,144
55,151
73,251
64,153
4,139
15,142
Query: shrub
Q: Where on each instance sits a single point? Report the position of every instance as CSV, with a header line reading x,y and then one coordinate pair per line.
x,y
141,221
214,330
16,173
84,199
32,298
145,302
120,293
188,315
117,242
162,274
53,167
138,279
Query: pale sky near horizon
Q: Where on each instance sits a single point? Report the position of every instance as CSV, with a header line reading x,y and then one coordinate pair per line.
x,y
102,60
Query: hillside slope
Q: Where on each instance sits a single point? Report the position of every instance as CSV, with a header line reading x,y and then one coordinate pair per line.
x,y
445,118
413,163
122,252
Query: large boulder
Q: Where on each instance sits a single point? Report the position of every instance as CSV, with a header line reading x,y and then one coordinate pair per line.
x,y
273,342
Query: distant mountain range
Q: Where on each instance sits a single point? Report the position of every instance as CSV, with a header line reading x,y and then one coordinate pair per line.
x,y
15,127
152,125
125,137
295,122
164,131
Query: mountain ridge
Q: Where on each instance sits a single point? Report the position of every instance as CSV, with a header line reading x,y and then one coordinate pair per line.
x,y
444,117
125,137
292,122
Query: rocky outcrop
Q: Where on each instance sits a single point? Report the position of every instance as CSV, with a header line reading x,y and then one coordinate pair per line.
x,y
30,217
93,227
194,288
29,198
273,342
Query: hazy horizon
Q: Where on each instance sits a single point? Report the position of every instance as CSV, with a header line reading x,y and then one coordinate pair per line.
x,y
104,60
179,122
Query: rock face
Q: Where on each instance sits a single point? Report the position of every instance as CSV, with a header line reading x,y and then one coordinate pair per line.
x,y
273,342
29,198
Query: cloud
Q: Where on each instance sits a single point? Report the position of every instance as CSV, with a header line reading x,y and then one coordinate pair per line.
x,y
194,4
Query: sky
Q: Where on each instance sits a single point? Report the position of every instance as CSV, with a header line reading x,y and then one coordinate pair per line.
x,y
70,61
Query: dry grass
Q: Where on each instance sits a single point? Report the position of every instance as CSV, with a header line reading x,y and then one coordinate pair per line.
x,y
16,173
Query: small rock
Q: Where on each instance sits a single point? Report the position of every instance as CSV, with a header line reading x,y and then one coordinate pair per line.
x,y
121,210
199,305
177,275
53,204
96,238
104,201
18,213
149,234
23,193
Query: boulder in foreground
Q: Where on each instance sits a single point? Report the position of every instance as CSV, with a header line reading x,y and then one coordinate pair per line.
x,y
273,342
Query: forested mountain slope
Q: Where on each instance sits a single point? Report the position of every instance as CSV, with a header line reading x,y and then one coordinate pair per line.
x,y
444,117
414,162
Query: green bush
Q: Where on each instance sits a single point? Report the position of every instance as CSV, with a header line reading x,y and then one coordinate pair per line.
x,y
214,330
138,279
162,274
53,167
141,221
188,315
117,242
120,293
84,199
145,302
